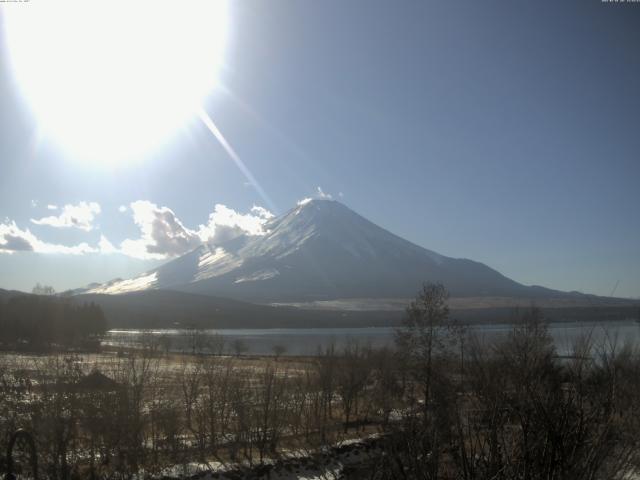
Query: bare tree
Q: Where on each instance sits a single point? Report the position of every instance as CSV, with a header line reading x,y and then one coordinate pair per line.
x,y
269,410
39,289
425,334
241,403
239,346
386,390
351,379
278,351
326,369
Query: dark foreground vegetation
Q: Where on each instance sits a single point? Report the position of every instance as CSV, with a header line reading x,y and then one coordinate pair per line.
x,y
443,405
42,323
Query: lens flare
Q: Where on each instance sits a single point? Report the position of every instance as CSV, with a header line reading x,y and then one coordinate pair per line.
x,y
110,81
211,126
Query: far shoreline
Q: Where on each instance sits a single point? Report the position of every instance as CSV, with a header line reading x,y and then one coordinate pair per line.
x,y
392,319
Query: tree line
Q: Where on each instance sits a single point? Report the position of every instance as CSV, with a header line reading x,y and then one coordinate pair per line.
x,y
37,322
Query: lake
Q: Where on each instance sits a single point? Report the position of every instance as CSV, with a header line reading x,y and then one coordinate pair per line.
x,y
306,341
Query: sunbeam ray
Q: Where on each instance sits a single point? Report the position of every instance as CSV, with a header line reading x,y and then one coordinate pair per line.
x,y
206,119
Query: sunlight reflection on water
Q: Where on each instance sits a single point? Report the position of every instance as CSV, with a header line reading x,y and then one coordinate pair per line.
x,y
307,341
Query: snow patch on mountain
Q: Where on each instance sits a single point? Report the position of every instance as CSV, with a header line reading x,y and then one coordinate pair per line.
x,y
142,282
259,275
216,262
210,258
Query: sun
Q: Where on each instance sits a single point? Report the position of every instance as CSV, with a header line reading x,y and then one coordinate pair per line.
x,y
110,81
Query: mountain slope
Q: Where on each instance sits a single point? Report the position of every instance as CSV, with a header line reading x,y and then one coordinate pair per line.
x,y
321,250
8,294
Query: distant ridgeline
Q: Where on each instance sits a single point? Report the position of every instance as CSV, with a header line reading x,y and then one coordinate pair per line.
x,y
37,322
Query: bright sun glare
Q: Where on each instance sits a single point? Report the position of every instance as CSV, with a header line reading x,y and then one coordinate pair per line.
x,y
111,80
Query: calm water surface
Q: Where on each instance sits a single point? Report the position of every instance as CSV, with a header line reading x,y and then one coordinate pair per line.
x,y
307,341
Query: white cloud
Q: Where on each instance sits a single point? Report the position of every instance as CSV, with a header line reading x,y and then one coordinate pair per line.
x,y
79,216
225,224
13,239
122,208
105,246
318,195
322,195
52,207
262,212
162,233
80,249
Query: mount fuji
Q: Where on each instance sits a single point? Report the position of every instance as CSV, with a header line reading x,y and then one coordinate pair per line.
x,y
321,251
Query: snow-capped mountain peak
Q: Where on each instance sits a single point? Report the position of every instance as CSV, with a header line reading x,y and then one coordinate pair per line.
x,y
318,250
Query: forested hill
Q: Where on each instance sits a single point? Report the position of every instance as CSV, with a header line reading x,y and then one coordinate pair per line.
x,y
37,322
170,309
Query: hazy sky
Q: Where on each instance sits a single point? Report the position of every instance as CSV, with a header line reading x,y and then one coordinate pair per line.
x,y
505,132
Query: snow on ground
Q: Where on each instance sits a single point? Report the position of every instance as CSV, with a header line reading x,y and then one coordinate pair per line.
x,y
325,465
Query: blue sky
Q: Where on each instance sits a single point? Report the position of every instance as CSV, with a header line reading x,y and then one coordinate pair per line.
x,y
505,132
